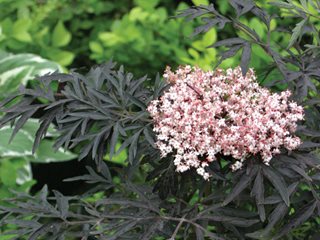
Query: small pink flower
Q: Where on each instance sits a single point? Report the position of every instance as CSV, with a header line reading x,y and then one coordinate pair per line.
x,y
208,113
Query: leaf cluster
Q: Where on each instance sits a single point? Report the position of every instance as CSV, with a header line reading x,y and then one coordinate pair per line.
x,y
91,112
95,111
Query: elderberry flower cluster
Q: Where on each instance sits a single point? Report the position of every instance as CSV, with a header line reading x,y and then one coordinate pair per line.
x,y
204,114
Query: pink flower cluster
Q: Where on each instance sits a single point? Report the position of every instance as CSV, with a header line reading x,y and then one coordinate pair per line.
x,y
206,113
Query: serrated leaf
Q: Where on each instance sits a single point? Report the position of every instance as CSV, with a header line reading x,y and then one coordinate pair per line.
x,y
137,102
133,146
98,140
62,203
43,193
308,144
114,139
41,231
243,182
229,42
105,171
276,215
25,223
276,198
148,137
46,120
199,234
301,171
240,222
245,58
241,7
283,5
21,121
126,226
32,125
258,192
258,188
229,53
278,182
300,217
296,32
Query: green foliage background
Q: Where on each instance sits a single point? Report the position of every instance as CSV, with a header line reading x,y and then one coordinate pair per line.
x,y
139,34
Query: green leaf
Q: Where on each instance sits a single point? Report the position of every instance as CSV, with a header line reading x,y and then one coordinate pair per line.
x,y
273,24
23,169
96,47
138,14
109,39
210,37
8,173
148,5
7,237
46,153
60,36
2,36
258,27
210,54
193,53
20,68
4,193
64,58
20,30
119,157
20,146
200,2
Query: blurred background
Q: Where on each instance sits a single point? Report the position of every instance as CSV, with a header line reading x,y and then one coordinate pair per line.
x,y
140,34
41,36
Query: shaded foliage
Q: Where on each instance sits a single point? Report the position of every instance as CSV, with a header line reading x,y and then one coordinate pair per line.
x,y
84,114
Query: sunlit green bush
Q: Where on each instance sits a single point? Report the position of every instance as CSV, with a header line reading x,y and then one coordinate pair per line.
x,y
139,34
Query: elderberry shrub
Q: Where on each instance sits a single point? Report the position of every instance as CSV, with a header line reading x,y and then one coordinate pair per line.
x,y
151,196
